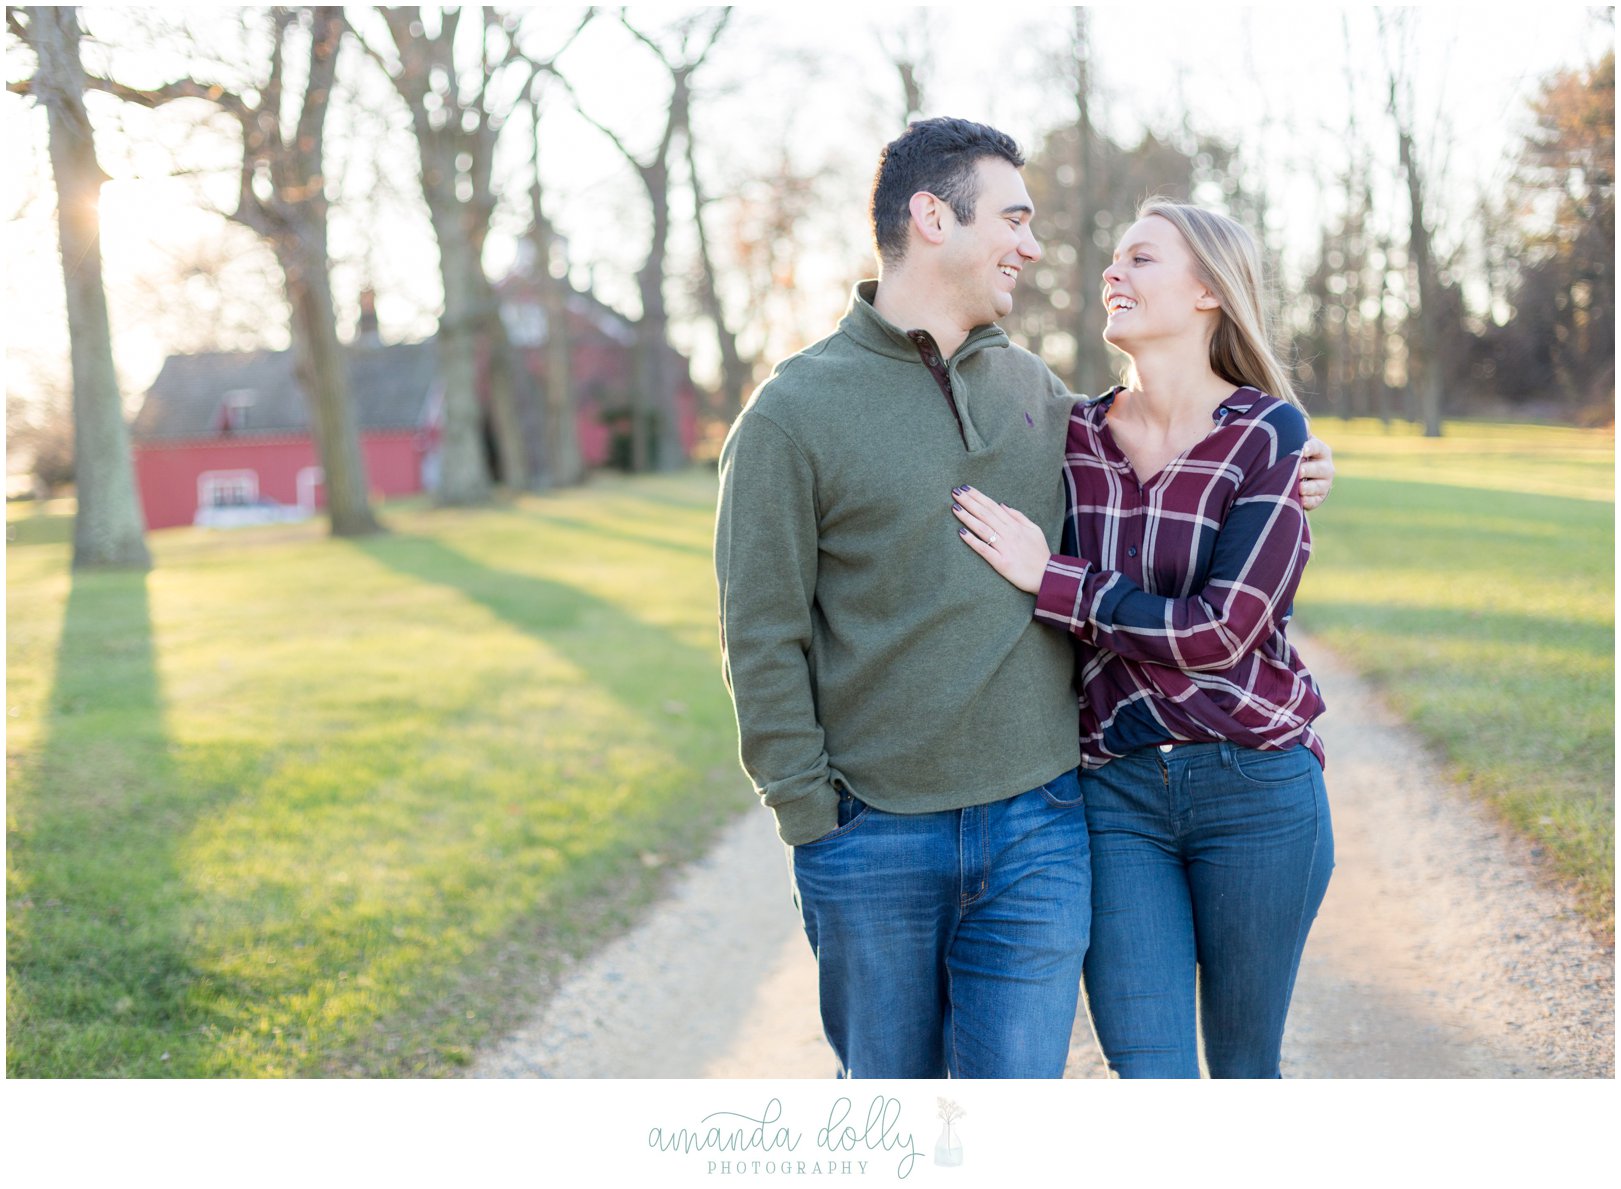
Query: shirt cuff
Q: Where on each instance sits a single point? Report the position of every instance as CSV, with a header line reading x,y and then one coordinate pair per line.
x,y
807,818
1063,584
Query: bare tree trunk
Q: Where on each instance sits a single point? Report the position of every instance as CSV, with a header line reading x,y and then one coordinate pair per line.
x,y
464,474
1365,345
653,389
1419,248
512,452
736,374
322,372
1359,399
456,129
1345,350
1091,369
299,234
652,401
656,426
108,528
1381,335
910,49
510,393
1429,297
471,318
565,464
282,197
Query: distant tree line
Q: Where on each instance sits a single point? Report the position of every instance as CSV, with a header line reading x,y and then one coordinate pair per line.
x,y
1387,319
1537,333
1514,317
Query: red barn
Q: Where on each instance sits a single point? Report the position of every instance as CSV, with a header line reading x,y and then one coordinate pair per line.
x,y
224,437
601,365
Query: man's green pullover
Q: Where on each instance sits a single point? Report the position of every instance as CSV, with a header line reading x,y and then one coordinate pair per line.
x,y
865,646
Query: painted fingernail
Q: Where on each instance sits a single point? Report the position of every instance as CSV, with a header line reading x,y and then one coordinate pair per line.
x,y
963,533
956,507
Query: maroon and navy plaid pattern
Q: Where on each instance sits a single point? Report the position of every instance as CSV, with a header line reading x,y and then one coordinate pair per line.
x,y
1178,590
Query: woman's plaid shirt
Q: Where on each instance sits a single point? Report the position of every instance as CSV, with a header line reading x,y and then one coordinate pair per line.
x,y
1178,590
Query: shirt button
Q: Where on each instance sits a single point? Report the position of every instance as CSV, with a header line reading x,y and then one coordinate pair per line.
x,y
1132,552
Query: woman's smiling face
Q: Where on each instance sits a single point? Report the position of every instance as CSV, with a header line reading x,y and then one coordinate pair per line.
x,y
1152,289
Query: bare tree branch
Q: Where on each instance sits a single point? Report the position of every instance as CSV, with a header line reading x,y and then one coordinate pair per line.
x,y
450,17
268,119
590,119
154,97
370,50
714,36
654,429
326,35
457,118
657,49
569,40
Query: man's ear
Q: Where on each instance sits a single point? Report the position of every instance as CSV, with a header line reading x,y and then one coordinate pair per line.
x,y
928,216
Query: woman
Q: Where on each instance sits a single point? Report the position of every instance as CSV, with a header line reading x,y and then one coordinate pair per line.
x,y
1185,542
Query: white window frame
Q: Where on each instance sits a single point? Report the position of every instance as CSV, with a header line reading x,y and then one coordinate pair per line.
x,y
211,484
307,479
236,404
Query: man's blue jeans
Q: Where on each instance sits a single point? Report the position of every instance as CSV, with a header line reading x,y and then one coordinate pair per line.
x,y
950,943
1209,862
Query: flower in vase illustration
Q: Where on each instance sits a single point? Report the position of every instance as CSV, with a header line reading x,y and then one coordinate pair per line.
x,y
948,1148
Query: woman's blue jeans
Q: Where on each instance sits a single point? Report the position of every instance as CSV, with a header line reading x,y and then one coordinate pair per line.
x,y
950,943
1209,862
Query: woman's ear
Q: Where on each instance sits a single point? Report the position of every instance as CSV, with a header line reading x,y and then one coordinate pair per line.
x,y
1207,300
928,216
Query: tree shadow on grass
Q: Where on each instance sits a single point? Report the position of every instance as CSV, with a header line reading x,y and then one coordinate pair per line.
x,y
596,530
101,983
646,670
666,491
569,620
40,527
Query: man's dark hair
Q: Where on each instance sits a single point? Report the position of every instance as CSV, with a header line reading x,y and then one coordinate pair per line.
x,y
939,156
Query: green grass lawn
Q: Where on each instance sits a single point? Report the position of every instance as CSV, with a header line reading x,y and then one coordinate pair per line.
x,y
290,806
1473,578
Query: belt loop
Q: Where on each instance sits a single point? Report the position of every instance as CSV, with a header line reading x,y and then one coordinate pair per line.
x,y
1226,749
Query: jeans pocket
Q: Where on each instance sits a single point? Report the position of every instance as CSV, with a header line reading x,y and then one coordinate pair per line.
x,y
1064,792
852,812
1273,767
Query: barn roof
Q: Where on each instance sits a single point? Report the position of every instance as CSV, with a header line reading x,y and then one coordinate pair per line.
x,y
389,384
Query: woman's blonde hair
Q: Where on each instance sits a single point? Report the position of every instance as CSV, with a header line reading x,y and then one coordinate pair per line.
x,y
1229,262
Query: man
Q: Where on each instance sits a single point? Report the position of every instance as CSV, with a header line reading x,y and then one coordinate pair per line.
x,y
911,727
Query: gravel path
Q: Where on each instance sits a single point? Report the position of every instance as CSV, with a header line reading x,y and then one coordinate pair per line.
x,y
1440,951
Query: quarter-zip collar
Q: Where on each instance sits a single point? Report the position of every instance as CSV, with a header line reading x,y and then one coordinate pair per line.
x,y
873,331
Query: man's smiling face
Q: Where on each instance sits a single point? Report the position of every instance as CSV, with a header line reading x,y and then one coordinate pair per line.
x,y
986,256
